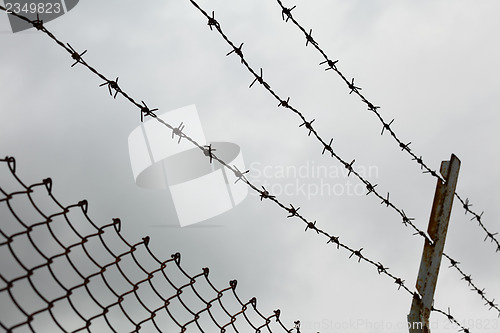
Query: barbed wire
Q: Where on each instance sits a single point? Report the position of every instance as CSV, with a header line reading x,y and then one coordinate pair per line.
x,y
212,22
286,14
178,134
177,131
146,290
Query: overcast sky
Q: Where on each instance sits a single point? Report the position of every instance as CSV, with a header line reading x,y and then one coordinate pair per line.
x,y
430,65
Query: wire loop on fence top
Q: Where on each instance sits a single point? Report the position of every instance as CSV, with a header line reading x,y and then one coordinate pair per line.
x,y
135,297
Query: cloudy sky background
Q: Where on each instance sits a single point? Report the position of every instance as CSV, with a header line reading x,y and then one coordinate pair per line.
x,y
431,65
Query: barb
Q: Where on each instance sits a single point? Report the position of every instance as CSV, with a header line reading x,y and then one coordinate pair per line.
x,y
332,65
177,131
326,147
308,124
76,56
112,85
65,254
265,194
209,152
146,112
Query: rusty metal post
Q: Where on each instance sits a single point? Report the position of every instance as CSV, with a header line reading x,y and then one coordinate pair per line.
x,y
418,319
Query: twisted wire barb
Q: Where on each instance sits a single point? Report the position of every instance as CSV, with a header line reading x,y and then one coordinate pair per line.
x,y
212,22
286,14
145,111
149,279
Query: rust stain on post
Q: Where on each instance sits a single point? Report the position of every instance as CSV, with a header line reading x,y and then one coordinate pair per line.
x,y
432,254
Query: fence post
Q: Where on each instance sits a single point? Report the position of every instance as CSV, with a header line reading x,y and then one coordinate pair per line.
x,y
418,319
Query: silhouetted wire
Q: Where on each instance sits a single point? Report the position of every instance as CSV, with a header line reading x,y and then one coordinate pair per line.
x,y
145,111
286,14
233,320
212,22
177,133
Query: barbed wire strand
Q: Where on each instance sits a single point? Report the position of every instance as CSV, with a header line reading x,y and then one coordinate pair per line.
x,y
118,261
286,14
212,22
145,111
